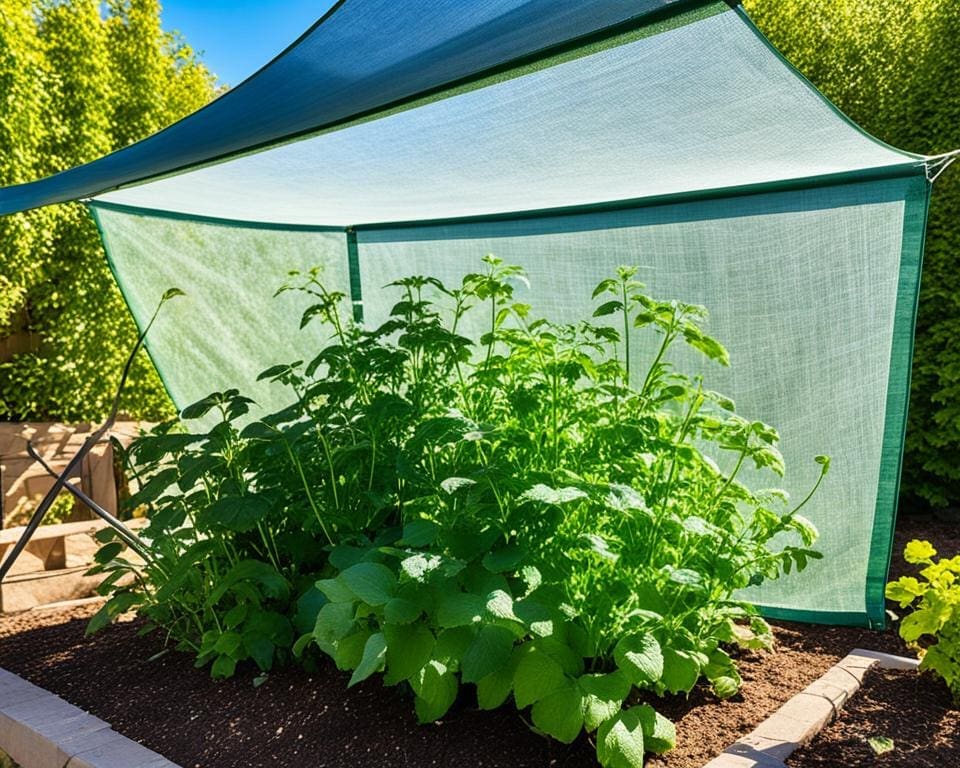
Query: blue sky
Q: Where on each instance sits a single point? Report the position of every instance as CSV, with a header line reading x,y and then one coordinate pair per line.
x,y
237,37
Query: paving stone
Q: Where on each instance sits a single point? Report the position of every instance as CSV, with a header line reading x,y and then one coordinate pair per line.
x,y
121,752
888,660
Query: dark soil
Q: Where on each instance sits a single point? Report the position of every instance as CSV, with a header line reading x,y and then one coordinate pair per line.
x,y
301,719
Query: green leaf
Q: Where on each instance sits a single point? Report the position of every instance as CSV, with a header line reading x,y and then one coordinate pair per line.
x,y
640,658
223,667
436,689
107,552
452,644
504,559
553,496
620,740
918,551
608,308
235,513
603,696
373,583
334,622
419,533
725,686
493,690
680,671
537,675
560,714
335,591
881,744
489,651
374,655
921,622
500,605
349,650
459,609
409,647
399,610
659,734
235,616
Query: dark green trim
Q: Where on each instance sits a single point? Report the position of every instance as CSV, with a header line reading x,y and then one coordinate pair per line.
x,y
904,170
353,264
836,618
136,320
916,207
803,79
156,213
648,24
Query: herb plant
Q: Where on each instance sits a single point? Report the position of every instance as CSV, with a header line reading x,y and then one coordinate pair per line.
x,y
514,510
933,626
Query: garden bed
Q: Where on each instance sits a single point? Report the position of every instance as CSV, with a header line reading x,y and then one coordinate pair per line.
x,y
180,712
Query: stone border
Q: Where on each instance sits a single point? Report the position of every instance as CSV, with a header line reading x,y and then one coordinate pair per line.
x,y
803,716
41,730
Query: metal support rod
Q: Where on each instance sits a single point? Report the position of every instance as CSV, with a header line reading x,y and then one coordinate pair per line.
x,y
87,446
128,536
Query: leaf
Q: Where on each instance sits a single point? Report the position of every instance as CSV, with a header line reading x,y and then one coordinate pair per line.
x,y
603,696
725,686
905,590
272,583
335,591
490,651
419,533
235,513
373,583
680,671
659,734
235,616
409,647
500,605
640,658
537,676
608,308
374,655
560,714
223,667
505,559
918,551
620,741
436,690
107,552
399,610
921,622
881,744
554,496
493,690
459,609
349,651
334,622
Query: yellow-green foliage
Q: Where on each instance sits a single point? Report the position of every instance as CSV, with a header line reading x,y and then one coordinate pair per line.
x,y
894,67
78,79
937,614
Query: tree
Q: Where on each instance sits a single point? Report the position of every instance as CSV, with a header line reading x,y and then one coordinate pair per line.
x,y
893,67
78,79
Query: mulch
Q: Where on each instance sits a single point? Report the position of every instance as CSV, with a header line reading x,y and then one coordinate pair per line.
x,y
311,719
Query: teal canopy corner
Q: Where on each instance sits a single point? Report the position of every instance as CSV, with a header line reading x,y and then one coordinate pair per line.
x,y
567,136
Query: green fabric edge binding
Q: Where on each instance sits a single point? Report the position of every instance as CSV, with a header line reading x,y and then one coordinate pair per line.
x,y
92,209
916,208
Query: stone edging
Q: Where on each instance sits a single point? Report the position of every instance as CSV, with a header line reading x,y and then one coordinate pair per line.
x,y
803,716
41,730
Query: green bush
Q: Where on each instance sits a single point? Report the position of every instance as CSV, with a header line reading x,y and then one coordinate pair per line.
x,y
86,78
933,626
892,66
515,510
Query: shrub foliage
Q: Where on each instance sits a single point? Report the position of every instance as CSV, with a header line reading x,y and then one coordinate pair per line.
x,y
79,79
515,511
891,66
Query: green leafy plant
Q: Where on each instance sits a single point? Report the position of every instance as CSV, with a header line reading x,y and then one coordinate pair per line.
x,y
468,495
933,627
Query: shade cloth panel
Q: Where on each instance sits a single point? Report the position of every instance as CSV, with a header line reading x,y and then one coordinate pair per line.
x,y
700,106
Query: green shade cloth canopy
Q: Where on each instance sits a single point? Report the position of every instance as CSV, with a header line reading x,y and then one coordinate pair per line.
x,y
570,137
